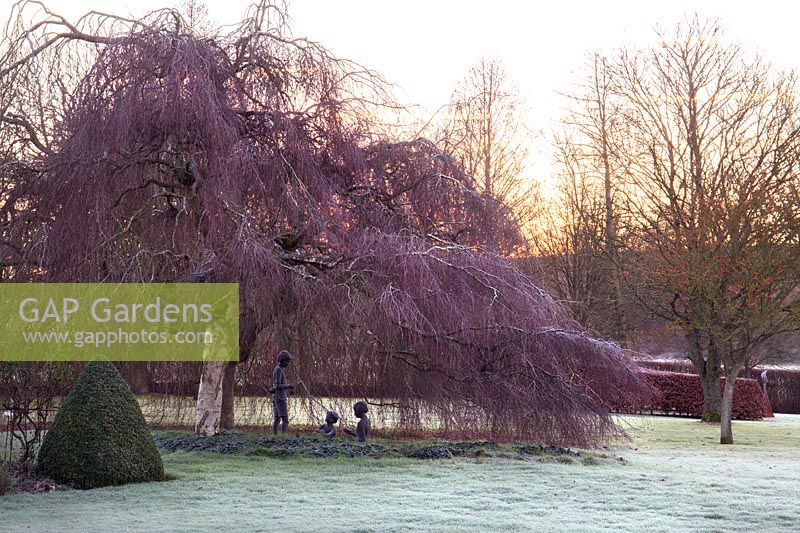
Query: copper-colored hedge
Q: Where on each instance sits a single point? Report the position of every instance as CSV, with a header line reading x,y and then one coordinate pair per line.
x,y
783,388
681,394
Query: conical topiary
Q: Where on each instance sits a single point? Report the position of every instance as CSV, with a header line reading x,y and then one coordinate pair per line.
x,y
99,437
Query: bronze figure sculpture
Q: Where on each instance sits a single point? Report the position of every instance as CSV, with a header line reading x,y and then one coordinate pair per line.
x,y
280,393
364,428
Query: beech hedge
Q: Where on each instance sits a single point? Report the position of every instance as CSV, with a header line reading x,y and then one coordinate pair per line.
x,y
681,394
783,388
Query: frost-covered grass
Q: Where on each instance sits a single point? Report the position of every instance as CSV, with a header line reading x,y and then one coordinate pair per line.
x,y
673,477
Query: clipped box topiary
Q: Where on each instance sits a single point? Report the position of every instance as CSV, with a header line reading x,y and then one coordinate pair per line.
x,y
99,437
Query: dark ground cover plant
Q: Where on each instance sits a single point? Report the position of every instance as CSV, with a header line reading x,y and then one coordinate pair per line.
x,y
6,479
255,444
14,479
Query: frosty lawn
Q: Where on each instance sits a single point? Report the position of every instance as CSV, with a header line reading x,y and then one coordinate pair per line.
x,y
674,476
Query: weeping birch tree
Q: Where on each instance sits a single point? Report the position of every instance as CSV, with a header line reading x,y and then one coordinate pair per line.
x,y
251,157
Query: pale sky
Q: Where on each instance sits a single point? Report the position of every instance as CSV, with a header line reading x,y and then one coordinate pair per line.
x,y
425,47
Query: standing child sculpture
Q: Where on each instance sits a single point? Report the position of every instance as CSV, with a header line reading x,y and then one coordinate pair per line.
x,y
280,393
364,428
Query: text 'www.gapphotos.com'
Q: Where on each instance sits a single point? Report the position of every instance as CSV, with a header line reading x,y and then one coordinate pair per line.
x,y
79,339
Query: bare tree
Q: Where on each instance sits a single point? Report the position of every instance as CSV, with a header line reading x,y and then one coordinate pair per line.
x,y
483,130
570,245
582,236
712,147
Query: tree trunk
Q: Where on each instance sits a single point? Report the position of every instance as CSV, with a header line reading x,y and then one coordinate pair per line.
x,y
712,398
229,396
708,368
209,399
139,377
247,338
610,230
726,431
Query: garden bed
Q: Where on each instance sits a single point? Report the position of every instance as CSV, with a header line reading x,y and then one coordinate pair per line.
x,y
255,444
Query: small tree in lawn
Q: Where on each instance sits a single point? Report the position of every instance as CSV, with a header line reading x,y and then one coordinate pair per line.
x,y
712,146
251,157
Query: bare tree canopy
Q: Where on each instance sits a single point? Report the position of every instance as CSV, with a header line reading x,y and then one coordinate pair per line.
x,y
707,138
580,238
483,129
250,157
573,260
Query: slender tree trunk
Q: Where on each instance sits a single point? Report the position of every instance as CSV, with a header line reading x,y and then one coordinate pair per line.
x,y
708,368
139,377
209,399
712,397
229,396
247,338
610,230
726,431
611,241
